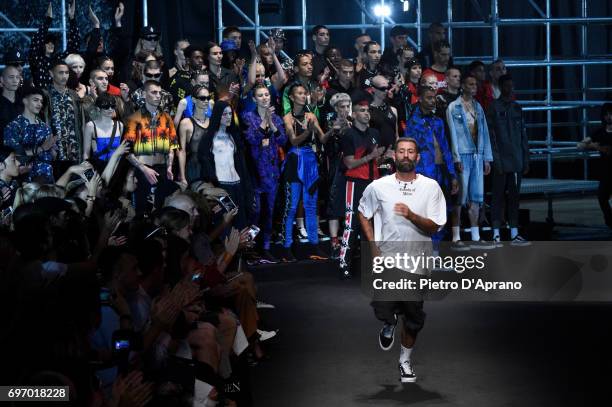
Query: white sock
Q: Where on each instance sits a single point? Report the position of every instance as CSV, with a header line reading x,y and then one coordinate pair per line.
x,y
513,233
300,222
405,354
456,233
496,232
475,233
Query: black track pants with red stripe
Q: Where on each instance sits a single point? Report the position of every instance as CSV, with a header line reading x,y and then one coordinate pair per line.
x,y
354,191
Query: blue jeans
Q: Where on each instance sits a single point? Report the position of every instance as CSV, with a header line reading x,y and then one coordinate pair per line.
x,y
293,192
472,178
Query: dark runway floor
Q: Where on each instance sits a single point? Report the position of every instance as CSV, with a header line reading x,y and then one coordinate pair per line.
x,y
468,354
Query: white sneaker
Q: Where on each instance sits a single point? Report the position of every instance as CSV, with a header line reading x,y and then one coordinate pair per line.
x,y
406,372
497,241
520,241
264,305
302,235
265,335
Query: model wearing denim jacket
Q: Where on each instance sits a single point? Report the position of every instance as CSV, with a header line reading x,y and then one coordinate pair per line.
x,y
461,139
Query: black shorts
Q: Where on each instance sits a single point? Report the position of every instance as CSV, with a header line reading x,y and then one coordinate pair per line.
x,y
414,316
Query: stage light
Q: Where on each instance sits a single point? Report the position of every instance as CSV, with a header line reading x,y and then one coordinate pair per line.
x,y
382,10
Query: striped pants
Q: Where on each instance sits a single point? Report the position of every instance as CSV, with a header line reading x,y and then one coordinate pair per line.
x,y
354,191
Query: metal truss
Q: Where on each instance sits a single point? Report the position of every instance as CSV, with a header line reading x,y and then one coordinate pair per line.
x,y
550,147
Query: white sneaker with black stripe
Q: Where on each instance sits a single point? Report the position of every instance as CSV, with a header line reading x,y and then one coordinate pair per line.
x,y
406,372
520,241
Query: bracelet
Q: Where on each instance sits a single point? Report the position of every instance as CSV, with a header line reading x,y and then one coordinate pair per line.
x,y
227,257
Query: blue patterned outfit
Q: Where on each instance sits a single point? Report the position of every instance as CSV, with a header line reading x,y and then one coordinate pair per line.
x,y
21,135
428,131
264,149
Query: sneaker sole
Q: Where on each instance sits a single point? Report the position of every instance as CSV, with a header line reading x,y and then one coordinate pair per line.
x,y
491,247
520,244
460,249
408,380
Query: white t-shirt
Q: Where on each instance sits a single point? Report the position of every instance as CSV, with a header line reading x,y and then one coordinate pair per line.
x,y
423,196
223,150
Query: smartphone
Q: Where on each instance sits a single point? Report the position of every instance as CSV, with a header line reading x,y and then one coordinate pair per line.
x,y
122,344
253,232
227,203
105,296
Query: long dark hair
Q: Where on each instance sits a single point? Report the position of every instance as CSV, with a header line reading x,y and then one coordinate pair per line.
x,y
215,119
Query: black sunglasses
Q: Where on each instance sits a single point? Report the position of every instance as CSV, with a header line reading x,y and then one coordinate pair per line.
x,y
151,38
154,75
203,98
382,88
106,106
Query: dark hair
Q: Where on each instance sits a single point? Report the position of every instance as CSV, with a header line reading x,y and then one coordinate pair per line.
x,y
438,45
58,62
293,86
367,45
193,48
102,59
434,25
345,63
105,98
467,76
504,78
151,65
301,54
174,219
455,67
229,58
422,89
228,30
315,30
5,152
31,90
362,35
475,64
196,89
150,83
215,119
406,139
403,48
331,47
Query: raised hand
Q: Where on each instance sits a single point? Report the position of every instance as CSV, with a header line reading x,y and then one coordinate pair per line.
x,y
71,9
118,14
94,19
232,242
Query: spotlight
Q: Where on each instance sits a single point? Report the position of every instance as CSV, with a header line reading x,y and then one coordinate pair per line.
x,y
382,10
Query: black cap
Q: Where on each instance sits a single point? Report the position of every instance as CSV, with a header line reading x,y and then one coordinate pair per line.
x,y
398,30
13,56
148,31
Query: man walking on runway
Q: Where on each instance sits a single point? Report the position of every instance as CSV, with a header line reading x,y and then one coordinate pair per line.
x,y
408,208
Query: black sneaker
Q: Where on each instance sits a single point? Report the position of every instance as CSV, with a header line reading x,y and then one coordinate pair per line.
x,y
406,372
268,258
386,335
287,256
315,253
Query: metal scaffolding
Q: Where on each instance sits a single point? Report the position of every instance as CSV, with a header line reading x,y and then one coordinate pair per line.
x,y
549,148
